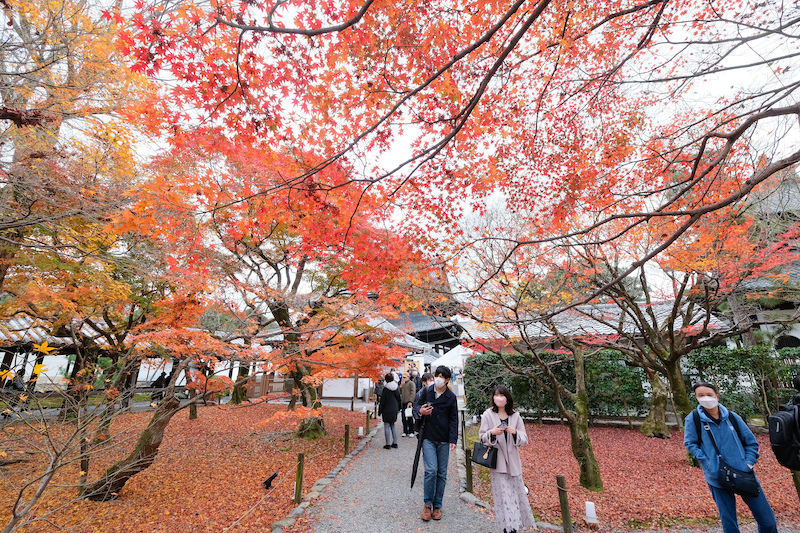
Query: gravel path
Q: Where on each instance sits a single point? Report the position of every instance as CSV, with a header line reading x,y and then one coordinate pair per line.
x,y
372,495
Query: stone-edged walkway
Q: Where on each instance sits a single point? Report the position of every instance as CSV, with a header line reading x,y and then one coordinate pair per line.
x,y
373,494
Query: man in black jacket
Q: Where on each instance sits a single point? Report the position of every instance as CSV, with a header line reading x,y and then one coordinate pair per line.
x,y
440,410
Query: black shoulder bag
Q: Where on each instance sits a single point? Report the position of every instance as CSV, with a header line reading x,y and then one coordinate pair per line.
x,y
732,479
484,455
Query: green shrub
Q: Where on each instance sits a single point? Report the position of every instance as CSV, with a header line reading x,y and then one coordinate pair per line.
x,y
614,387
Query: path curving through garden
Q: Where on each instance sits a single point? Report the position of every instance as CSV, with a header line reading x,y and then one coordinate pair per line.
x,y
373,495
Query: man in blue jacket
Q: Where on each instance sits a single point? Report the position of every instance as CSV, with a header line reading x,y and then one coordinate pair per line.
x,y
738,447
440,412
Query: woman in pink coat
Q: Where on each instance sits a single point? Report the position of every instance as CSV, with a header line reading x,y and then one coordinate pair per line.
x,y
502,428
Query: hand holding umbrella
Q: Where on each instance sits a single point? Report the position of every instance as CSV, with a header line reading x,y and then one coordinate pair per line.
x,y
425,410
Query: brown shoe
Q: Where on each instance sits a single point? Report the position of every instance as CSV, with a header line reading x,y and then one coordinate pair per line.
x,y
437,513
426,512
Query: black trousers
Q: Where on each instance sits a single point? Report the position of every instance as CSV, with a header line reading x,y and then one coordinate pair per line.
x,y
408,422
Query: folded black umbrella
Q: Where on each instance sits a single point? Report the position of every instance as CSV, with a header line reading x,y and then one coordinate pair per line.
x,y
415,466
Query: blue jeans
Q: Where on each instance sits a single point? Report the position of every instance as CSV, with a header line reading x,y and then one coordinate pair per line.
x,y
436,456
762,512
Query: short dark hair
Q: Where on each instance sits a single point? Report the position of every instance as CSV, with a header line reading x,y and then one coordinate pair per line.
x,y
388,378
796,382
427,376
443,371
502,389
704,384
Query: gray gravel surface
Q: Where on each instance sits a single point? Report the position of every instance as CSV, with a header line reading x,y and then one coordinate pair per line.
x,y
373,495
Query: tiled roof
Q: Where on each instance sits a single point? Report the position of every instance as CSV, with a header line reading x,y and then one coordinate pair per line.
x,y
26,330
419,322
779,194
592,320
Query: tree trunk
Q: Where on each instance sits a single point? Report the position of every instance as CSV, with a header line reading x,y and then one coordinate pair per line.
x,y
312,427
796,479
678,387
192,406
308,395
579,428
103,432
239,394
75,397
129,386
655,425
109,486
582,447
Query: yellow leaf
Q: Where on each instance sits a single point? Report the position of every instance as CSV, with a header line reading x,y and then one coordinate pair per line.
x,y
3,454
38,369
44,348
23,397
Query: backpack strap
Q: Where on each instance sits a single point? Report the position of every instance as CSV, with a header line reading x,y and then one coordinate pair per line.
x,y
736,426
696,417
714,442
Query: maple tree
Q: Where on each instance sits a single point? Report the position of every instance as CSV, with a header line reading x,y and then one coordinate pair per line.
x,y
573,108
304,271
702,290
68,153
557,106
121,282
514,309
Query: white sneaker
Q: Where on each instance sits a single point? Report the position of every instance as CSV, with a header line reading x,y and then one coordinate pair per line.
x,y
404,435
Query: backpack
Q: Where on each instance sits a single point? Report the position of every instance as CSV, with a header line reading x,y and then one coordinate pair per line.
x,y
784,435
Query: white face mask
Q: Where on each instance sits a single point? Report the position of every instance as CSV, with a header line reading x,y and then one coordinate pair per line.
x,y
500,401
709,402
439,382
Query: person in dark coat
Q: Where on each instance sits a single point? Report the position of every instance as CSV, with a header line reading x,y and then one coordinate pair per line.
x,y
378,392
159,383
407,392
389,408
440,410
415,377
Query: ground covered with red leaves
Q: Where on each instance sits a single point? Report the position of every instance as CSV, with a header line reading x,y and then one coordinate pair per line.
x,y
648,482
207,476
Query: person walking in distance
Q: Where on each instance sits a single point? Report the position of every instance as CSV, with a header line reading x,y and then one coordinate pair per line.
x,y
415,376
407,392
388,409
502,428
440,413
723,433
